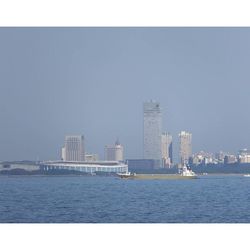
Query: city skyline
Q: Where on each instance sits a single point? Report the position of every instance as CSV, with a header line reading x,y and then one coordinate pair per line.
x,y
92,81
158,146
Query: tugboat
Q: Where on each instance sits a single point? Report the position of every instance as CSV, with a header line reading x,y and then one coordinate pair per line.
x,y
187,172
126,175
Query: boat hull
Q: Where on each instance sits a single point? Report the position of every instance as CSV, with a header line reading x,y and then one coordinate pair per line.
x,y
158,177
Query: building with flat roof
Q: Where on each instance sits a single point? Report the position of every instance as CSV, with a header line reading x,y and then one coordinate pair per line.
x,y
63,156
230,159
74,148
152,130
86,167
244,156
167,149
185,146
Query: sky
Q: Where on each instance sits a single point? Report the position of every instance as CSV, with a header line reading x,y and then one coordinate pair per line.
x,y
93,81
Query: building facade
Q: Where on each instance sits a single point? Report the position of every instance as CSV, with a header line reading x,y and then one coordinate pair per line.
x,y
91,157
63,156
230,159
114,152
185,147
220,156
152,130
74,148
244,156
167,149
203,157
86,167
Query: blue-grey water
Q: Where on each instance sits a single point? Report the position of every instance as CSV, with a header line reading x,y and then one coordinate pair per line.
x,y
38,199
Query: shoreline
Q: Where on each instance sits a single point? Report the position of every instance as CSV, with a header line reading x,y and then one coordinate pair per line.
x,y
95,175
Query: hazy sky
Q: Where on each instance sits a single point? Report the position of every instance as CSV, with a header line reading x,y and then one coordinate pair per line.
x,y
93,81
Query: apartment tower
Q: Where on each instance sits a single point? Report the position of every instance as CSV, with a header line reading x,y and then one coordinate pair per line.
x,y
185,146
74,148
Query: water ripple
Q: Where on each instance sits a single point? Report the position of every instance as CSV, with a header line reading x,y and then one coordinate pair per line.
x,y
216,199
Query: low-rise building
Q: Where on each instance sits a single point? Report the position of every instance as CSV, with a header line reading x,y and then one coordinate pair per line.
x,y
220,156
244,156
203,157
230,159
91,157
86,167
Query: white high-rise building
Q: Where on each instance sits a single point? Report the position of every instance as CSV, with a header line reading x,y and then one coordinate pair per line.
x,y
114,152
185,146
63,154
74,148
167,149
152,129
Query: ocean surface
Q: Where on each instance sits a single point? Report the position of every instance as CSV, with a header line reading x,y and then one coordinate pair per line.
x,y
81,199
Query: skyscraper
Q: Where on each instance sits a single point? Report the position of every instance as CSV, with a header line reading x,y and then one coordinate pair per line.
x,y
74,148
152,129
185,146
114,152
167,149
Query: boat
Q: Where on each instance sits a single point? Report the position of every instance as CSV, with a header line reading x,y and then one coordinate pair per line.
x,y
184,173
246,175
126,175
187,172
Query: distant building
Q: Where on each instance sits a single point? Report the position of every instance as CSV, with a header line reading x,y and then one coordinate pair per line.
x,y
85,167
114,152
74,148
203,157
140,164
220,156
185,146
152,129
63,154
167,149
230,159
244,156
91,157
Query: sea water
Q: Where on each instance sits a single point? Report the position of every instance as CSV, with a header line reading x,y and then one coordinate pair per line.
x,y
79,199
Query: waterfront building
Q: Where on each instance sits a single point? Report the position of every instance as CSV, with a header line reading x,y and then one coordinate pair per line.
x,y
230,159
86,167
74,148
220,156
152,129
19,166
114,152
244,156
185,147
204,158
167,149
